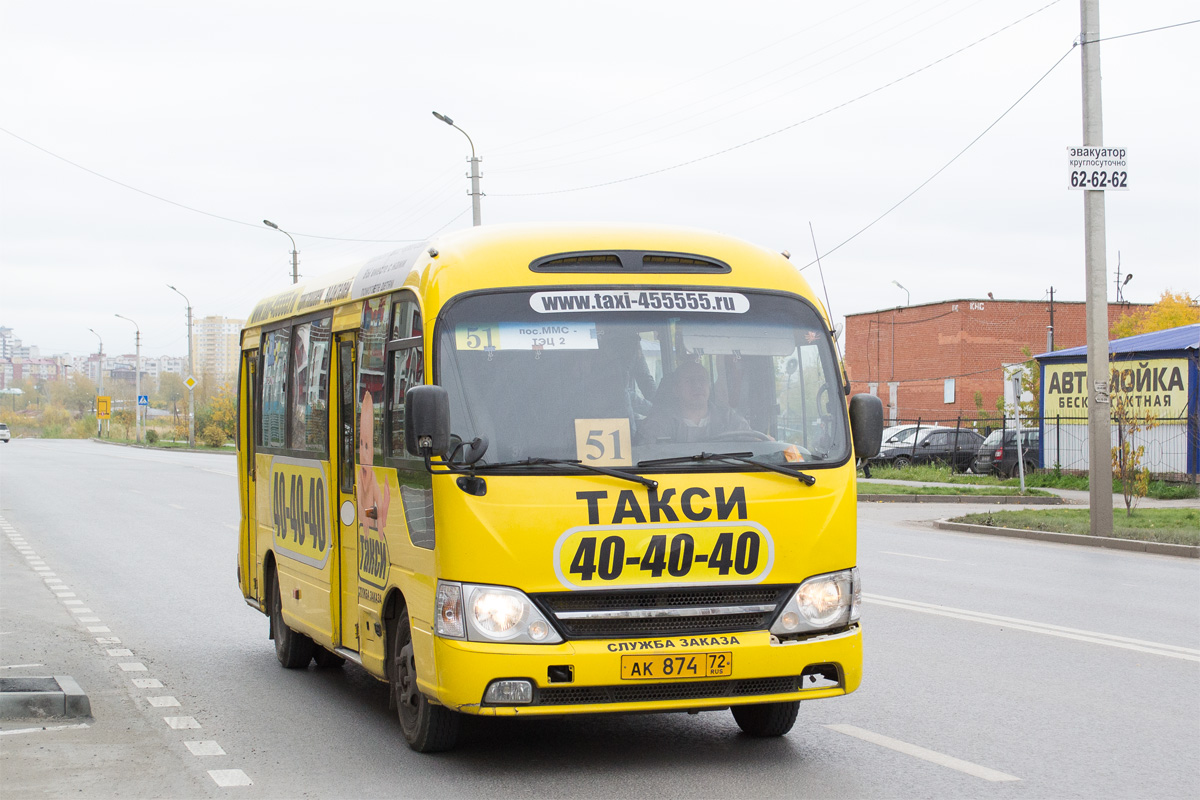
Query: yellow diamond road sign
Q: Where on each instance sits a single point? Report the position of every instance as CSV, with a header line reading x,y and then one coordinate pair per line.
x,y
191,382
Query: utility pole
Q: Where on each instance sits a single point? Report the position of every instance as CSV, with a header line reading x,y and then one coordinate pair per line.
x,y
191,379
137,381
1099,418
1050,327
99,382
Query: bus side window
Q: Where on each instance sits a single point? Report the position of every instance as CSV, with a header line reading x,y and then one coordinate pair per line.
x,y
272,420
310,385
408,370
406,367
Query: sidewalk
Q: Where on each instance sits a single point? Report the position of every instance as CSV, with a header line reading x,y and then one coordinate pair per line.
x,y
1074,497
117,752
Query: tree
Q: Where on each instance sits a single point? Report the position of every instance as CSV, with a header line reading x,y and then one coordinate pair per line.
x,y
1127,455
172,389
1171,311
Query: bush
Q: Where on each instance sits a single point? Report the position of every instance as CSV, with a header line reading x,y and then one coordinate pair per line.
x,y
151,436
213,436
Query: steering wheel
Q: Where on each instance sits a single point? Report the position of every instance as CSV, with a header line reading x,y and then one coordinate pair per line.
x,y
742,436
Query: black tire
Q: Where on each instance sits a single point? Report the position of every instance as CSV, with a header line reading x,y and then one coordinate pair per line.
x,y
326,659
294,650
428,728
902,462
767,719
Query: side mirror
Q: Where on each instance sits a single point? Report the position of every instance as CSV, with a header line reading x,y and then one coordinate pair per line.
x,y
866,424
426,421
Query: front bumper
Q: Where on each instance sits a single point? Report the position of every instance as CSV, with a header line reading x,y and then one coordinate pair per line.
x,y
765,670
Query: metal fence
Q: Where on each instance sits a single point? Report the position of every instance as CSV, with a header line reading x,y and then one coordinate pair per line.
x,y
1064,439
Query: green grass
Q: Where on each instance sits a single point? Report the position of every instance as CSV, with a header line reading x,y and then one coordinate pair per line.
x,y
1047,479
1168,525
870,487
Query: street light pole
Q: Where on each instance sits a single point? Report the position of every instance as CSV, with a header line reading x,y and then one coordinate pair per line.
x,y
475,193
907,296
191,379
99,382
137,380
295,252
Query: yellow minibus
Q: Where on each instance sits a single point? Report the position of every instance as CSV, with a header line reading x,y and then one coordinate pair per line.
x,y
558,469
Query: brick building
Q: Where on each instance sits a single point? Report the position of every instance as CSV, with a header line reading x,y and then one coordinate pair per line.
x,y
930,360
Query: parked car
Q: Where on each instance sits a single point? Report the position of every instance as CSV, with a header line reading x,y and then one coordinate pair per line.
x,y
954,446
904,433
4,434
1003,460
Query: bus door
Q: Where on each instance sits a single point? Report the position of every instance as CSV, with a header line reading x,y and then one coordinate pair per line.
x,y
248,399
346,501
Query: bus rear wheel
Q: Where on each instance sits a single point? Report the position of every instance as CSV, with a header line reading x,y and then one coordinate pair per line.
x,y
428,728
294,650
767,719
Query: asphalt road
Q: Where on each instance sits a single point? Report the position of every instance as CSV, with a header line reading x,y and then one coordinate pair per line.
x,y
993,668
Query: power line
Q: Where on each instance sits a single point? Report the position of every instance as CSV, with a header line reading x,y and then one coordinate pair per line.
x,y
786,128
945,166
181,205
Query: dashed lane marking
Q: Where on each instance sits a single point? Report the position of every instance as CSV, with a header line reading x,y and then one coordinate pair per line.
x,y
205,748
922,753
166,701
147,683
133,666
181,723
230,777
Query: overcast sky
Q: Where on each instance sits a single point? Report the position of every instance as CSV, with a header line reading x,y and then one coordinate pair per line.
x,y
317,116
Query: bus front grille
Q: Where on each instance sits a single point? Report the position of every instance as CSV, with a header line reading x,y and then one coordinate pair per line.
x,y
663,612
654,692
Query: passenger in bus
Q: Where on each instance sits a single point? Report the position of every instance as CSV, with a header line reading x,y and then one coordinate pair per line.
x,y
373,498
684,410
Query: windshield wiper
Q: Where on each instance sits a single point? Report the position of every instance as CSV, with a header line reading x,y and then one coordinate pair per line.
x,y
744,458
556,462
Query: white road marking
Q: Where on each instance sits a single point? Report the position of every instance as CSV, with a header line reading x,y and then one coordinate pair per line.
x,y
220,472
20,666
80,610
1092,637
208,748
910,555
99,629
230,777
64,594
931,756
72,602
107,640
120,652
178,508
147,683
181,723
51,728
166,701
132,666
89,619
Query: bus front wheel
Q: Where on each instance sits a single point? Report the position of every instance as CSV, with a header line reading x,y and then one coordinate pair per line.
x,y
428,728
766,719
294,650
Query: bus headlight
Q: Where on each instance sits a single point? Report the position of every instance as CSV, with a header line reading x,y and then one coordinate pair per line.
x,y
822,601
492,614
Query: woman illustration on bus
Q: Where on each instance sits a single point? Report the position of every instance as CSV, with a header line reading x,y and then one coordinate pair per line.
x,y
373,498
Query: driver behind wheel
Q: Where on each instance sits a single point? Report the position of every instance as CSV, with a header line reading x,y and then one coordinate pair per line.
x,y
684,410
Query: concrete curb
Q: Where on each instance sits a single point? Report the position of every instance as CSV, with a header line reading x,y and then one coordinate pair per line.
x,y
222,452
31,696
988,499
1180,550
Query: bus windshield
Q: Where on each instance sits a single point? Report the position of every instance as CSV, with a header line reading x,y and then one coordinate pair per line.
x,y
614,377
